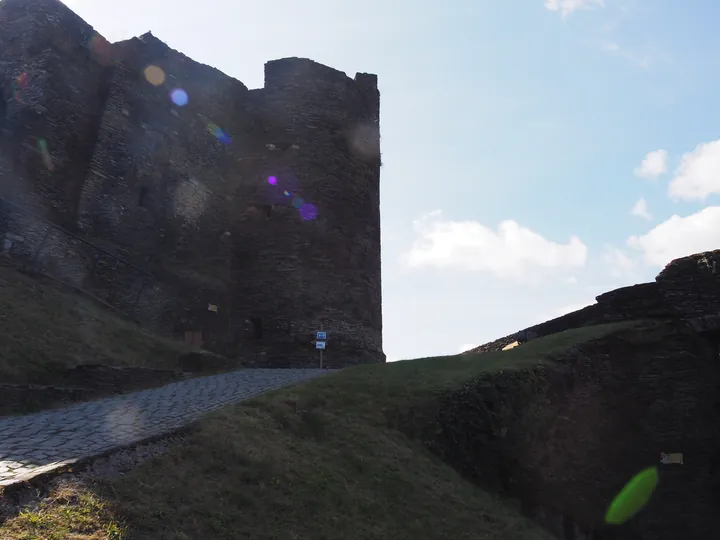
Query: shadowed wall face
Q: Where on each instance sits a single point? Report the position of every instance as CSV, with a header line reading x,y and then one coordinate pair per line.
x,y
53,69
262,203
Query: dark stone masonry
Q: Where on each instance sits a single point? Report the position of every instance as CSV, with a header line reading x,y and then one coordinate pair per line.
x,y
248,219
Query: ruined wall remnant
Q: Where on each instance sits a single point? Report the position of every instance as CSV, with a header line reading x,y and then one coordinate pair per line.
x,y
263,203
687,289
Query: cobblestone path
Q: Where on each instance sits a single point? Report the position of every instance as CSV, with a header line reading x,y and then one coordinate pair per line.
x,y
38,443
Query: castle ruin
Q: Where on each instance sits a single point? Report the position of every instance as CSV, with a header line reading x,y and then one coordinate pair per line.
x,y
251,217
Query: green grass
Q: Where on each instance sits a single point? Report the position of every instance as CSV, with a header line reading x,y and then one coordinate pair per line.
x,y
47,327
326,460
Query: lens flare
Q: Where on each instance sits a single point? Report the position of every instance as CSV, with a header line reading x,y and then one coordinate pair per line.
x,y
101,50
179,97
219,134
633,497
154,75
272,180
45,154
308,212
297,202
18,87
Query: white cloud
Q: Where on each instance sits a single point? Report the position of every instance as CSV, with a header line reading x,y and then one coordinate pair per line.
x,y
566,7
512,251
654,164
698,174
679,237
466,347
619,264
640,209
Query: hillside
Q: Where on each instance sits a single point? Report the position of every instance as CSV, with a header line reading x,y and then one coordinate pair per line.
x,y
467,446
49,332
340,457
48,327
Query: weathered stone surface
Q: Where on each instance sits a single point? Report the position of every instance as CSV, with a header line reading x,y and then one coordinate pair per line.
x,y
91,144
692,284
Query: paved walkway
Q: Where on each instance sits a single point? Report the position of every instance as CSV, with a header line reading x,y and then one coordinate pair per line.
x,y
38,443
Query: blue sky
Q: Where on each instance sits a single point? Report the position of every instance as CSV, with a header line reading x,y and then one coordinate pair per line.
x,y
536,152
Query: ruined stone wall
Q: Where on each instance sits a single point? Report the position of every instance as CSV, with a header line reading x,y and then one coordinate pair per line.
x,y
211,219
691,285
182,189
158,186
687,288
323,130
53,72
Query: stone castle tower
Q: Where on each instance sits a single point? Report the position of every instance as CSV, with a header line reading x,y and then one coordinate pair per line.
x,y
254,212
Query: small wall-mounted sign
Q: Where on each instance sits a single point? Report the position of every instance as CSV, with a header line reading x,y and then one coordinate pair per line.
x,y
320,345
213,308
671,459
321,336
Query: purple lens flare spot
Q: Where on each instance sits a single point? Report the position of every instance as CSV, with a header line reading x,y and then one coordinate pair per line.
x,y
308,211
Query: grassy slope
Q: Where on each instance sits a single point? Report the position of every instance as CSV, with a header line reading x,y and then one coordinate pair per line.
x,y
46,327
318,461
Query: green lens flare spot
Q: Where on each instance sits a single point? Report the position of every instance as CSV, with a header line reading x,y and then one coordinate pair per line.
x,y
633,497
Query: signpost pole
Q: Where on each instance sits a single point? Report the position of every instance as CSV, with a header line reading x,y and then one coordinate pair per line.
x,y
320,341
